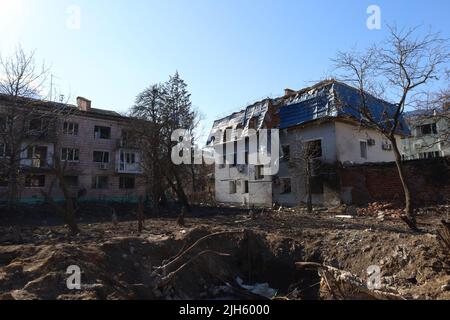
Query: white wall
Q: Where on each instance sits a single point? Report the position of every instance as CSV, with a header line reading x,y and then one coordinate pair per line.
x,y
348,139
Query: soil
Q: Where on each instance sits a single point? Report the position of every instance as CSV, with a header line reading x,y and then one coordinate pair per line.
x,y
261,246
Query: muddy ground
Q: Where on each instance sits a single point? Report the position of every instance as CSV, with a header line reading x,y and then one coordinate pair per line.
x,y
261,247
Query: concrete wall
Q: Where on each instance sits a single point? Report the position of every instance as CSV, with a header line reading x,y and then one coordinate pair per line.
x,y
260,191
348,139
293,169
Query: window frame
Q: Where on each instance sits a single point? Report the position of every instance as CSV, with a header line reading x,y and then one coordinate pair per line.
x,y
103,156
75,154
361,142
98,129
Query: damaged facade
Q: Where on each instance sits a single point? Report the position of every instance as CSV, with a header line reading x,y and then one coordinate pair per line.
x,y
430,132
98,156
326,116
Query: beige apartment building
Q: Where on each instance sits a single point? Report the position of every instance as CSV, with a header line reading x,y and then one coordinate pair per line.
x,y
98,158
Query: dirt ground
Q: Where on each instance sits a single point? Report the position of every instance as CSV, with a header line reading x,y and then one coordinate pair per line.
x,y
259,247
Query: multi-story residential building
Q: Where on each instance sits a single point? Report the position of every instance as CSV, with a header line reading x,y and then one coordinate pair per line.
x,y
325,116
98,157
430,134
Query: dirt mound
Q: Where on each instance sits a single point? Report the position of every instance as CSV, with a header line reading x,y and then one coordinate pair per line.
x,y
209,257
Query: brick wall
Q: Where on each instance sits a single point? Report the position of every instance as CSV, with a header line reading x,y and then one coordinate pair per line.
x,y
429,181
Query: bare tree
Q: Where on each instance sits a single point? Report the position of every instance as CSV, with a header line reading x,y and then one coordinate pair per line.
x,y
398,67
67,209
25,117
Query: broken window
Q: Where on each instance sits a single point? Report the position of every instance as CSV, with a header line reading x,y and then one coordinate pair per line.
x,y
100,182
428,129
285,185
232,186
363,149
70,154
37,155
259,173
315,148
286,152
70,128
102,132
34,181
35,124
126,182
71,181
245,189
101,156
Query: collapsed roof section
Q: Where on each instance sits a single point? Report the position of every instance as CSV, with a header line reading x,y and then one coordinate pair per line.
x,y
328,99
252,117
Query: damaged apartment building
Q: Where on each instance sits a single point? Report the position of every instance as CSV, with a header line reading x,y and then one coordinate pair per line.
x,y
430,133
97,157
326,117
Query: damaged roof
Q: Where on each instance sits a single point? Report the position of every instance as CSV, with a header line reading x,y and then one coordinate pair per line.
x,y
241,119
332,99
328,99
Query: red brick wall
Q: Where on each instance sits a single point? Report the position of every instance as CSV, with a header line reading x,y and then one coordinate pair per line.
x,y
429,181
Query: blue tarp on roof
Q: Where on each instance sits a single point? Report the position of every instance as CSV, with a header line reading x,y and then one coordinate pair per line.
x,y
331,100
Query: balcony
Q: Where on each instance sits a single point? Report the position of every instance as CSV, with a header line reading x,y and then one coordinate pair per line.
x,y
132,168
36,164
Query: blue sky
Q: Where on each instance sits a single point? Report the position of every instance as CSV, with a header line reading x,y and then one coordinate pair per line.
x,y
229,52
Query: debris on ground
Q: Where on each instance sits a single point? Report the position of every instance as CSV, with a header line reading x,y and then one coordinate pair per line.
x,y
222,253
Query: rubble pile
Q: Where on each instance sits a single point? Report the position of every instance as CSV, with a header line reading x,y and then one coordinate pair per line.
x,y
380,210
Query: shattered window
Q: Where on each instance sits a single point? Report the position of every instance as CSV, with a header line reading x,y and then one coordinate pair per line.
x,y
428,129
315,148
286,152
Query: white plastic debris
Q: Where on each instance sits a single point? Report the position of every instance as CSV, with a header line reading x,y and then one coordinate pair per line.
x,y
261,289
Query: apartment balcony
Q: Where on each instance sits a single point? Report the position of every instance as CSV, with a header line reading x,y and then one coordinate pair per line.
x,y
36,164
130,168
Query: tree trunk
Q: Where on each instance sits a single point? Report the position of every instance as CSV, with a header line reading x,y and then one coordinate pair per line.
x,y
308,187
180,192
409,216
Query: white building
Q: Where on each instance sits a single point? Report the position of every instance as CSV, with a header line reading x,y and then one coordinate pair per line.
x,y
430,134
325,115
